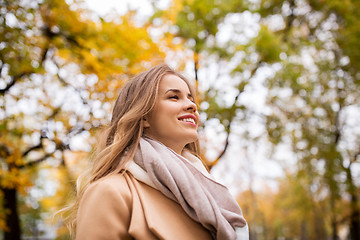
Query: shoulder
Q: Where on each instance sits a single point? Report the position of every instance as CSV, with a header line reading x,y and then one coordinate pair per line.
x,y
105,209
110,188
113,182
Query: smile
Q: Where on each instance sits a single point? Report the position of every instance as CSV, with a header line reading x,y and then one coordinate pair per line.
x,y
190,120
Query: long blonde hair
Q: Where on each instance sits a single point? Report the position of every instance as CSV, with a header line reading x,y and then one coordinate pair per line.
x,y
136,100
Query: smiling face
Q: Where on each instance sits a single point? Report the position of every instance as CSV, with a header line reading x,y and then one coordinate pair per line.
x,y
174,119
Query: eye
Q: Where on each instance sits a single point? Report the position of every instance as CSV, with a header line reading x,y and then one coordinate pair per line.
x,y
174,97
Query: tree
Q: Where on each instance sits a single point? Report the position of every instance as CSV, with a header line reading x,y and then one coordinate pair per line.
x,y
315,94
59,72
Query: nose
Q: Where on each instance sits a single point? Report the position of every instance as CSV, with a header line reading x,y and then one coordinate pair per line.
x,y
190,106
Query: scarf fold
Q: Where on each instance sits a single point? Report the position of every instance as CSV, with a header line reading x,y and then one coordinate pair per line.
x,y
203,199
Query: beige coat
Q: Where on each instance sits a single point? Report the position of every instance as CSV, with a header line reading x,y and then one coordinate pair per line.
x,y
121,207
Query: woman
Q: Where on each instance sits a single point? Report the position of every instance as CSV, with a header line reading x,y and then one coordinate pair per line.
x,y
147,181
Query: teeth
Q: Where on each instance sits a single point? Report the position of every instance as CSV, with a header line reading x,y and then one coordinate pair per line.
x,y
188,120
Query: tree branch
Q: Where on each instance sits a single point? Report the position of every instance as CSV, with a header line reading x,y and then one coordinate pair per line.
x,y
37,161
38,146
1,66
14,79
213,163
42,135
241,89
59,146
68,84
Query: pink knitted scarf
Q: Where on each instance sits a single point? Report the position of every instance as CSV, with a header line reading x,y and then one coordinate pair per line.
x,y
203,199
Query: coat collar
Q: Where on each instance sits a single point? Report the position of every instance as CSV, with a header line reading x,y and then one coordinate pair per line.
x,y
164,217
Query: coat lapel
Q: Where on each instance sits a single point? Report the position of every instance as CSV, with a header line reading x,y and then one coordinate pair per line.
x,y
164,217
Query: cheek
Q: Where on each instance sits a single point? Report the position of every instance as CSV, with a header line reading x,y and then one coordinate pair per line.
x,y
168,110
165,114
160,119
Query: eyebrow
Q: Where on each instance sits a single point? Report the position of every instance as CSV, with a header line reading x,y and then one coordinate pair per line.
x,y
178,91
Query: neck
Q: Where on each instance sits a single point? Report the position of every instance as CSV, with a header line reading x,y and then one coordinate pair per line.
x,y
176,147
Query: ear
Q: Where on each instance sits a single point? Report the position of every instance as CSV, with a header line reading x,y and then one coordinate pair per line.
x,y
145,122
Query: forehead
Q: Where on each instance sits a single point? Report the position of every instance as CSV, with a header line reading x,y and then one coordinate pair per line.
x,y
173,82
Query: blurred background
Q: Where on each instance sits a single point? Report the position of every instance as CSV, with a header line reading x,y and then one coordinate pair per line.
x,y
278,92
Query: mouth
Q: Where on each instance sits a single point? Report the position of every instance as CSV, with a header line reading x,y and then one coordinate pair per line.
x,y
191,119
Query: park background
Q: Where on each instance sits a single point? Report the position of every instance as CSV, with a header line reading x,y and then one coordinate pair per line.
x,y
278,92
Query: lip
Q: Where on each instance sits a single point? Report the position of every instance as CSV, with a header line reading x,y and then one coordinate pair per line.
x,y
189,116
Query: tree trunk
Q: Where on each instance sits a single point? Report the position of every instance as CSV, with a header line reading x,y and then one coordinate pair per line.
x,y
355,212
196,66
355,219
12,216
334,224
334,235
319,225
303,230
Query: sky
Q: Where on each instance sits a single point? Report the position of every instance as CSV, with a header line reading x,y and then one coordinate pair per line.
x,y
103,7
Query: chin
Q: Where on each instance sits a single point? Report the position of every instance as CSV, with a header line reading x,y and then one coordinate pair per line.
x,y
193,138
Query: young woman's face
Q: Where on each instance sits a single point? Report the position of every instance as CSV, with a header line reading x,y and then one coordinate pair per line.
x,y
174,119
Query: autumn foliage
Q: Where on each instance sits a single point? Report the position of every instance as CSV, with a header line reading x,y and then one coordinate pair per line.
x,y
270,75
